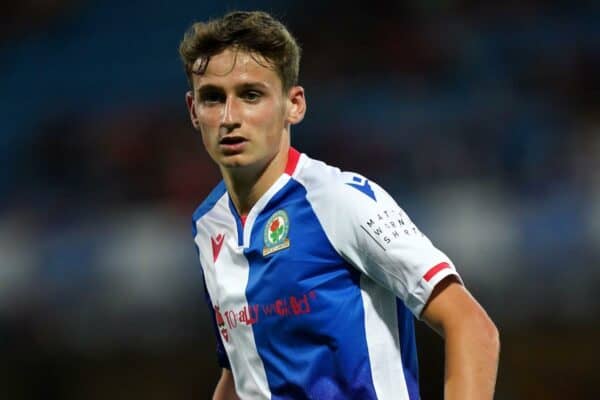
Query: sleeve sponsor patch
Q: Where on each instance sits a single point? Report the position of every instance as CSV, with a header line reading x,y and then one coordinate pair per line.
x,y
389,226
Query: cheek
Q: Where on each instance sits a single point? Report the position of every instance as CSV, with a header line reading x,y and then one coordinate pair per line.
x,y
205,136
208,122
210,142
209,138
269,119
208,130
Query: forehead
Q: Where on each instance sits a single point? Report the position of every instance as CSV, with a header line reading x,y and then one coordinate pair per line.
x,y
234,67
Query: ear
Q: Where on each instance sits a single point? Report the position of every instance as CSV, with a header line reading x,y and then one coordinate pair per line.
x,y
296,105
189,100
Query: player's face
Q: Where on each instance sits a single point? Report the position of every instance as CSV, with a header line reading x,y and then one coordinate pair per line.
x,y
241,110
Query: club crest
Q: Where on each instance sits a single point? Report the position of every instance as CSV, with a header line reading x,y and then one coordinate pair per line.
x,y
276,233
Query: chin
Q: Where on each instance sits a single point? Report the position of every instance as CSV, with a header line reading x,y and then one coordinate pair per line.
x,y
234,161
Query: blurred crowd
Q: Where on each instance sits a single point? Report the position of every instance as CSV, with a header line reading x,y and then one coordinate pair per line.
x,y
482,120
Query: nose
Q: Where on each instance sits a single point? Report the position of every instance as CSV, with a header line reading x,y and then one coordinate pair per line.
x,y
230,118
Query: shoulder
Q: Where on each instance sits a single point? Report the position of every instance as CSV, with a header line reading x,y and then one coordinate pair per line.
x,y
209,203
318,175
328,183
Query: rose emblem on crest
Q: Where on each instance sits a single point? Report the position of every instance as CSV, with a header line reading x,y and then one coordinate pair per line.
x,y
276,232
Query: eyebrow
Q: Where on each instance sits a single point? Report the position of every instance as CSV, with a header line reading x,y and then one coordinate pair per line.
x,y
244,86
208,88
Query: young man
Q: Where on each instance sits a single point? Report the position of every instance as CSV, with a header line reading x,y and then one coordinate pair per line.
x,y
312,275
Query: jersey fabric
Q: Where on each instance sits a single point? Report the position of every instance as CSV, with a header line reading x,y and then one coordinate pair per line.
x,y
313,293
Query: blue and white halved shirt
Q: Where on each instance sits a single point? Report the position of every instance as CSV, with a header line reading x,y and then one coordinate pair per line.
x,y
313,296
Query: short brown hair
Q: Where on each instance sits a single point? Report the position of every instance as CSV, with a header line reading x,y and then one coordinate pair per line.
x,y
253,31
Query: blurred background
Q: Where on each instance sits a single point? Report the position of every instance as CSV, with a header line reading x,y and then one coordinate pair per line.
x,y
482,120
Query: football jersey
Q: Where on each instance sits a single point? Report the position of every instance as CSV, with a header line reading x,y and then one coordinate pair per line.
x,y
313,293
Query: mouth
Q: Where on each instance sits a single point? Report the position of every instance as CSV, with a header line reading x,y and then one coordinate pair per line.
x,y
232,145
231,140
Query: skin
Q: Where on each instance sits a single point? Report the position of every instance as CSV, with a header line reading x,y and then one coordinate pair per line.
x,y
471,341
225,389
244,116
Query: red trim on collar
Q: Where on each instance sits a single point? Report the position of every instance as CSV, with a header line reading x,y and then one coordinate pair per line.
x,y
292,161
243,219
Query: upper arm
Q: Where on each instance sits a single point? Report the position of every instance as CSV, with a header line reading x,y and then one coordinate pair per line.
x,y
471,341
451,307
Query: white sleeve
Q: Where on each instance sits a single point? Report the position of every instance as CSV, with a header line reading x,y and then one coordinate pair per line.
x,y
368,228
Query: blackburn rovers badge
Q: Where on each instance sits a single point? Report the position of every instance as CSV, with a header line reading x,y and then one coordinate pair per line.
x,y
276,233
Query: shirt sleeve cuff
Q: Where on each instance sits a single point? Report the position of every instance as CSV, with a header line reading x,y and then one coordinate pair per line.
x,y
419,297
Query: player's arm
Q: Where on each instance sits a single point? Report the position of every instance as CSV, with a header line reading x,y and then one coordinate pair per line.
x,y
225,389
471,339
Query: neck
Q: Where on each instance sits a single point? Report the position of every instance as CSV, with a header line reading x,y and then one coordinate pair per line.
x,y
245,186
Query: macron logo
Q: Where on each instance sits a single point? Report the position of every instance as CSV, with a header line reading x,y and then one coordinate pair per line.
x,y
363,186
217,242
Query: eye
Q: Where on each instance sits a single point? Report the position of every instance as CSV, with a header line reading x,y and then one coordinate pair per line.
x,y
252,95
212,98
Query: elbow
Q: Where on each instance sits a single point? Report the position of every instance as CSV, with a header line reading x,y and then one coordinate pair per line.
x,y
490,335
482,332
496,336
496,339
